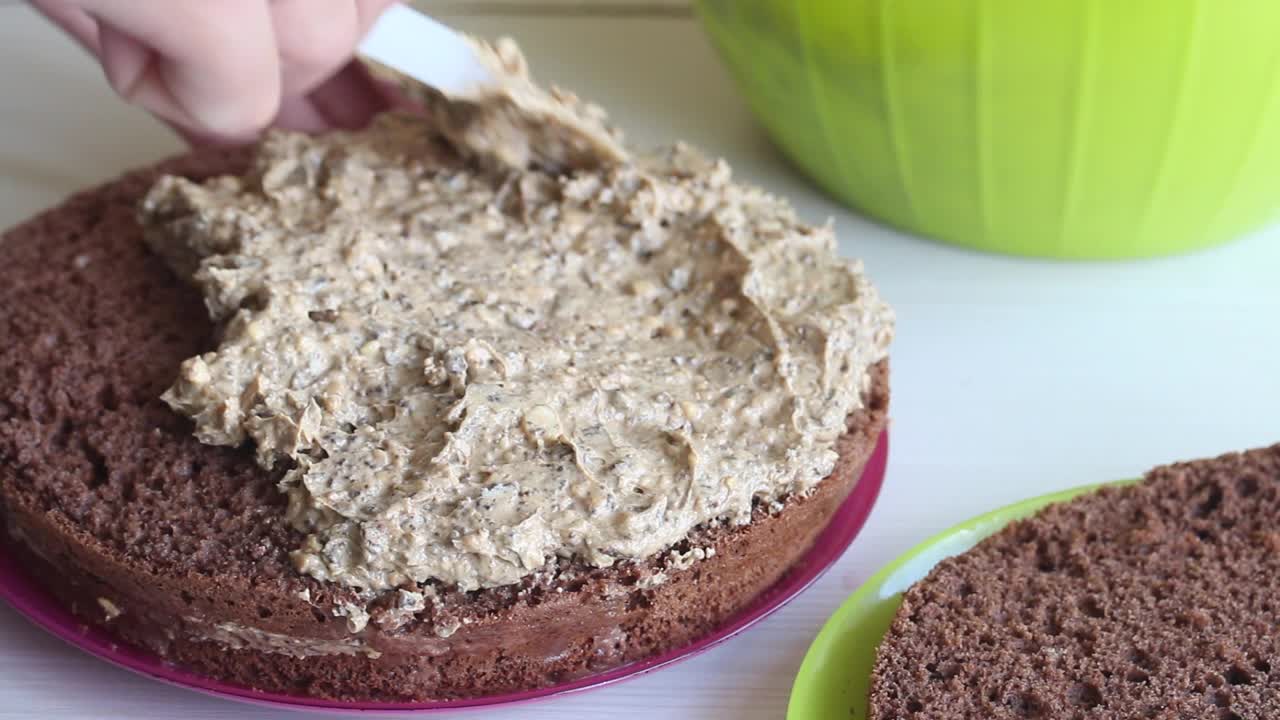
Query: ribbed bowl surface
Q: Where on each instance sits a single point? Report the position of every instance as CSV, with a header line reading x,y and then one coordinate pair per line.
x,y
1062,128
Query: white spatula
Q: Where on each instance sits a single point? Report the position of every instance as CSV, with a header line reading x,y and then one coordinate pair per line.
x,y
434,54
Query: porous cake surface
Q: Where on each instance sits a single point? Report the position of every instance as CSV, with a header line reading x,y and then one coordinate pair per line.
x,y
1155,600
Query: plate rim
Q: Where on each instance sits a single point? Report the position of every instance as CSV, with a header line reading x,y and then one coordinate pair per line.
x,y
36,605
811,669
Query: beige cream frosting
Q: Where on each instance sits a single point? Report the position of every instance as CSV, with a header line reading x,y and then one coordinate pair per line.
x,y
471,370
243,637
517,123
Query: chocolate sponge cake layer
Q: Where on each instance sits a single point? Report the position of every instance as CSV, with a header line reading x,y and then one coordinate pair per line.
x,y
1156,600
183,548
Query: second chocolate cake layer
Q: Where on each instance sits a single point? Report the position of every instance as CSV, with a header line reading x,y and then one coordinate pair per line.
x,y
1158,600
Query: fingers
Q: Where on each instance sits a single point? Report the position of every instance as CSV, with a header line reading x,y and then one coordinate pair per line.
x,y
301,115
349,98
369,10
345,101
212,68
316,38
323,87
73,21
222,71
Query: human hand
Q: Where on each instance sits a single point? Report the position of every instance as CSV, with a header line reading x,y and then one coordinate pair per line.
x,y
220,72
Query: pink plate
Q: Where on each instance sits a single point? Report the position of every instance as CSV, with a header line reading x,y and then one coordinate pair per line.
x,y
28,598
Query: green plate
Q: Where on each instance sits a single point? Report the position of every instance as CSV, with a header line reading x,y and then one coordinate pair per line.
x,y
836,673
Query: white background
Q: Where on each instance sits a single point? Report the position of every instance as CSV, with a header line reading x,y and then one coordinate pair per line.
x,y
1011,377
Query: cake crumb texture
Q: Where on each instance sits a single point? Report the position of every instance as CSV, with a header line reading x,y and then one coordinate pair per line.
x,y
1156,600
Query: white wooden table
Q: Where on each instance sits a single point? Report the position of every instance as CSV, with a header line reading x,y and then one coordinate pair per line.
x,y
1011,377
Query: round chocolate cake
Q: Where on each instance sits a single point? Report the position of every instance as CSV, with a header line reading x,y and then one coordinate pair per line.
x,y
186,547
470,401
1156,600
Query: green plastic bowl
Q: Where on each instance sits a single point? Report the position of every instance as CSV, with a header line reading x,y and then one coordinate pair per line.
x,y
1059,128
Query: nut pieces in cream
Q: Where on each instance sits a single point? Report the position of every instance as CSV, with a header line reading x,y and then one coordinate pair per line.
x,y
468,370
518,123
